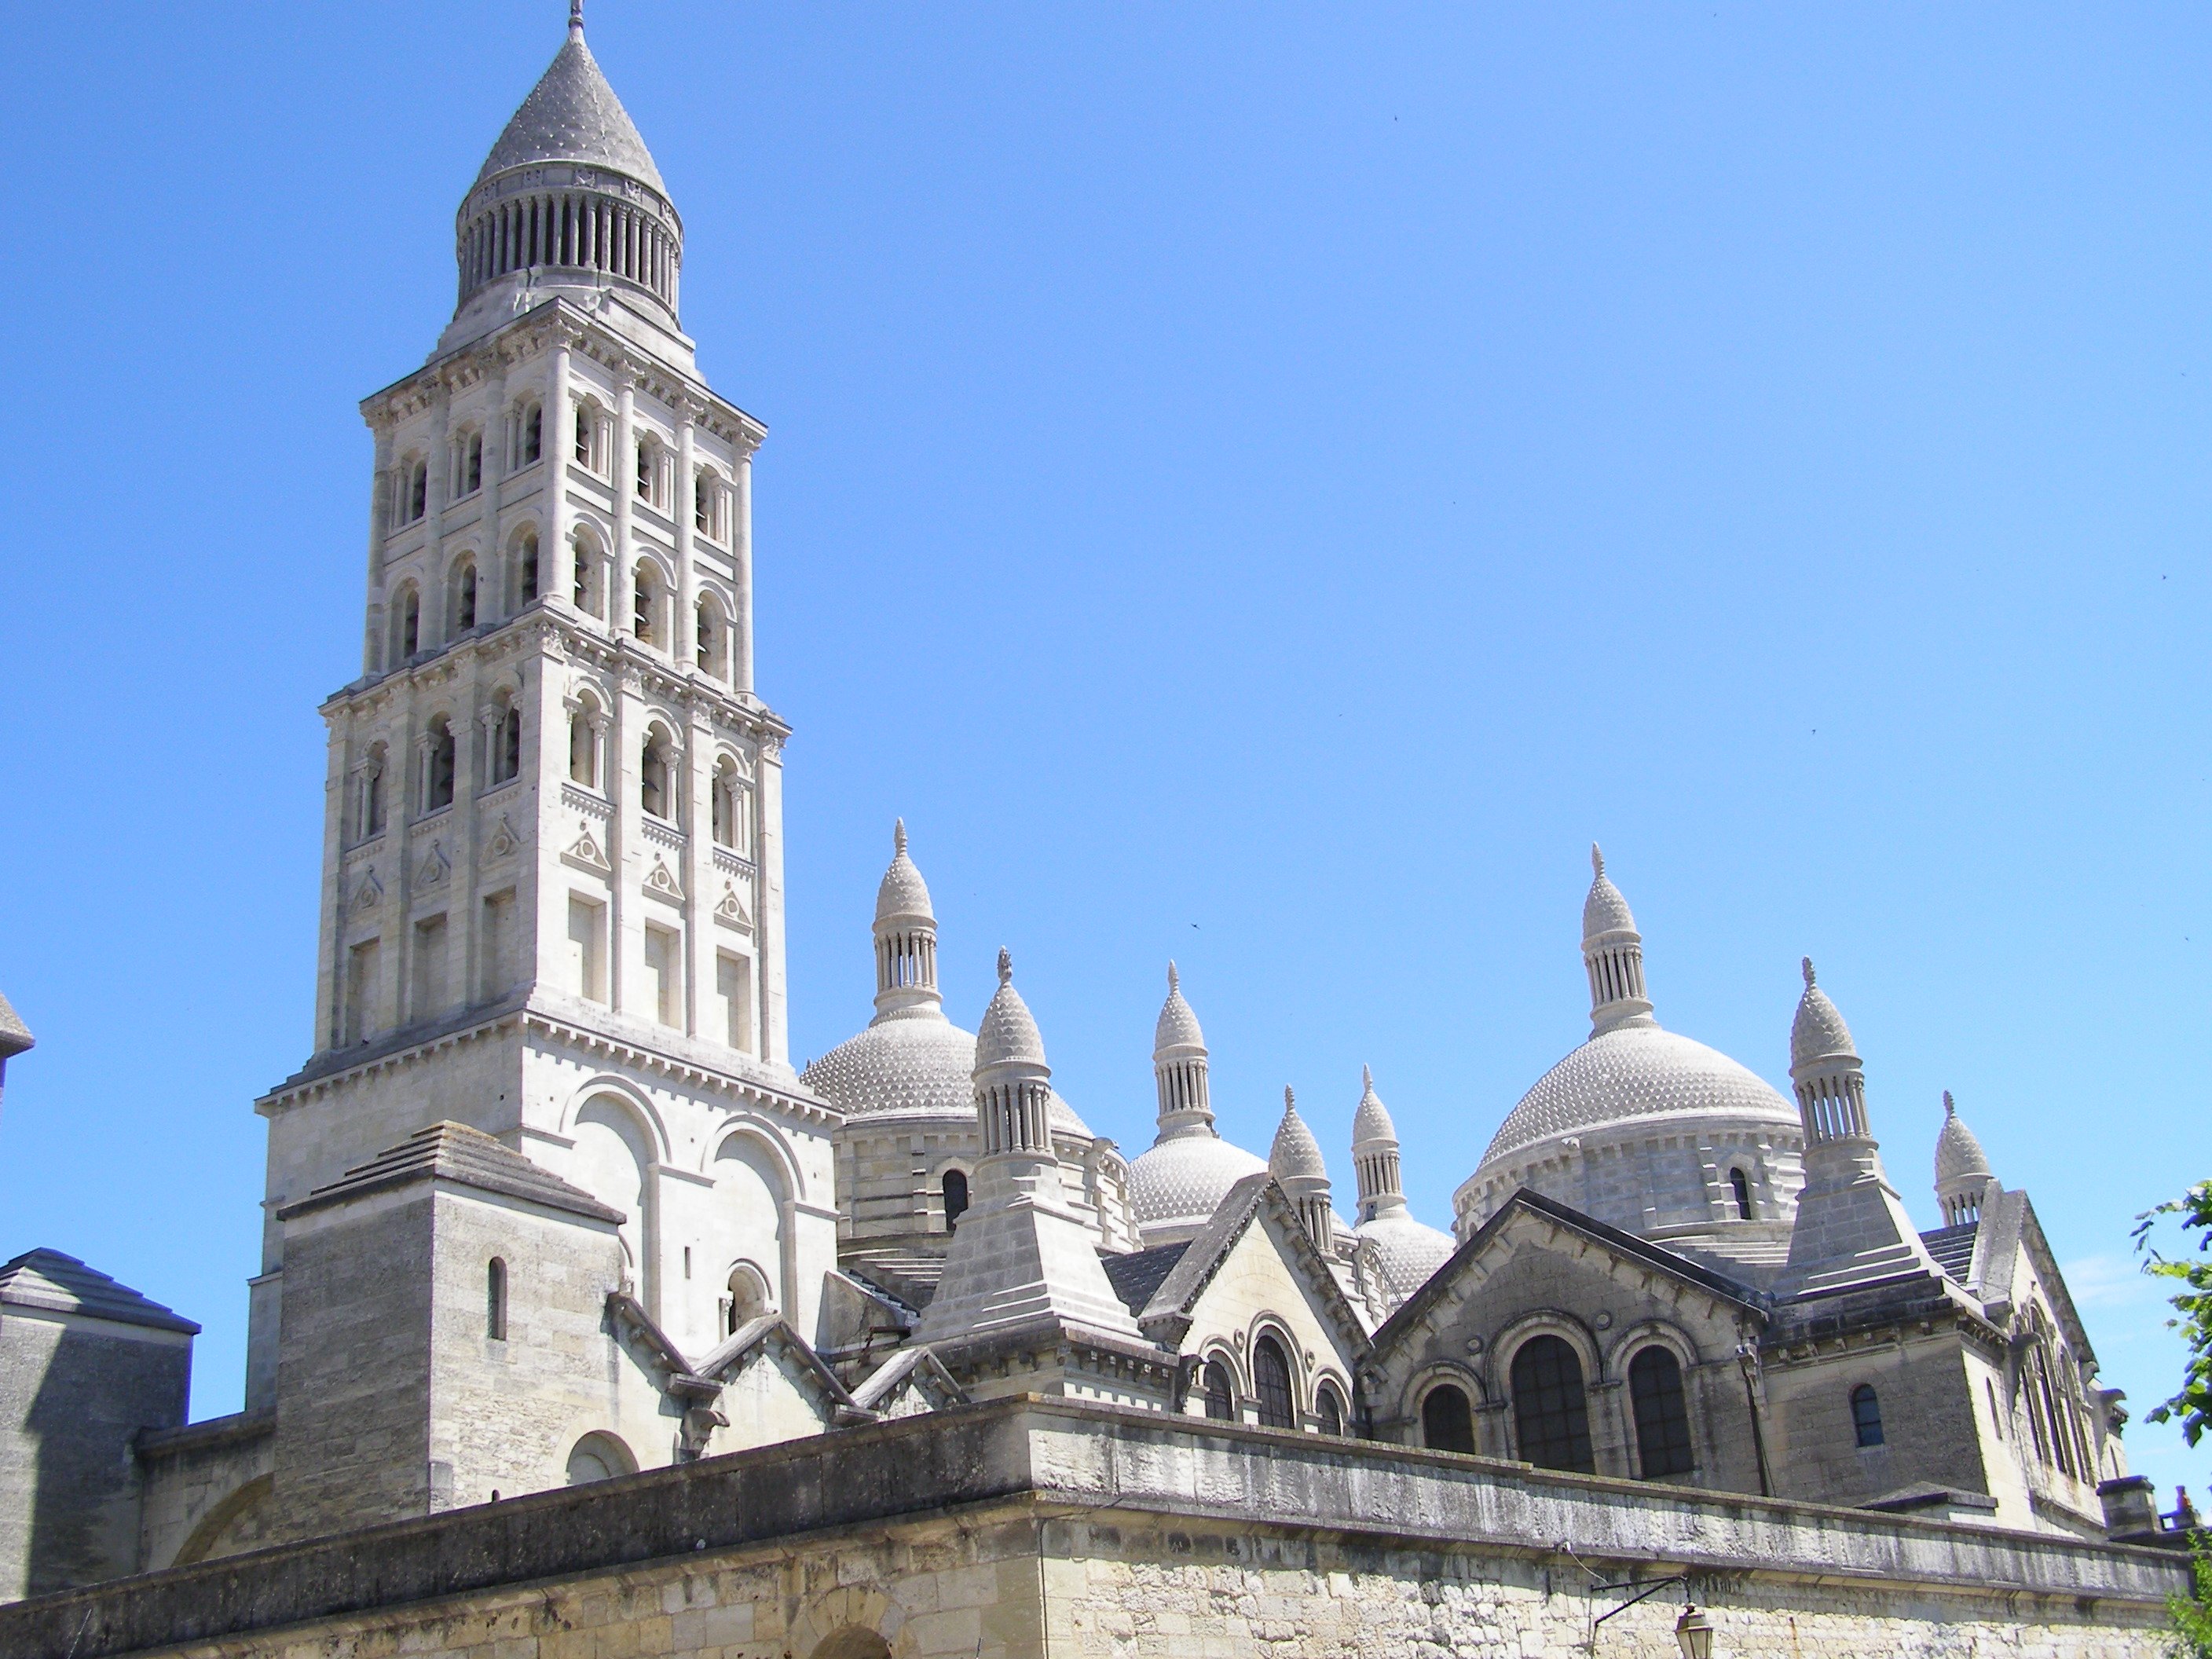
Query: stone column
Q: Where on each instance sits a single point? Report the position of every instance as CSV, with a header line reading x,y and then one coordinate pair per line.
x,y
622,604
439,466
768,918
741,548
684,625
380,506
556,564
697,874
494,562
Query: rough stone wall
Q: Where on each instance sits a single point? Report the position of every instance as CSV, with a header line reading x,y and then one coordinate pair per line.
x,y
353,1370
76,1391
195,1481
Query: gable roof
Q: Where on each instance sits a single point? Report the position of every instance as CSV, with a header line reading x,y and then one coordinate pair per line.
x,y
1166,1317
54,1283
918,1366
701,1382
1528,1200
467,1157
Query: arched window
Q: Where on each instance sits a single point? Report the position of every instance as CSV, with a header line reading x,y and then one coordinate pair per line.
x,y
464,597
1551,1413
653,791
749,1299
407,636
471,468
645,603
584,746
526,568
438,767
1329,1409
955,1197
1663,1415
414,491
506,744
1447,1422
587,425
589,576
730,806
600,1457
1741,1184
1220,1392
704,489
1271,1381
711,636
533,435
495,1300
1866,1415
648,471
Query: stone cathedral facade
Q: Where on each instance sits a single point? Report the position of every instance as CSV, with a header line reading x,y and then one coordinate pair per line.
x,y
551,1205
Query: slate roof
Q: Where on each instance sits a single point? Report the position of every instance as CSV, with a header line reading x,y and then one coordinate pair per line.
x,y
572,114
1137,1275
469,1157
14,1036
56,1282
1952,1248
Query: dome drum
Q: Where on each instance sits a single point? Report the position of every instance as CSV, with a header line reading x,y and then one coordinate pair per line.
x,y
569,217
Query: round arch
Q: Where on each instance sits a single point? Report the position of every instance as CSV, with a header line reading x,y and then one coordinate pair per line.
x,y
599,1456
1545,1321
754,1127
606,1083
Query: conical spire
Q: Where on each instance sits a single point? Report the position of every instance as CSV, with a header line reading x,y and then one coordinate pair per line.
x,y
1818,1031
1375,1153
570,205
1179,1068
906,940
1296,1162
1612,955
1008,1035
1962,1168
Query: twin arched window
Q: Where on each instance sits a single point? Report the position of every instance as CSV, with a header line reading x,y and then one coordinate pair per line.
x,y
655,782
506,744
584,745
523,560
589,578
1551,1409
1662,1414
1271,1382
733,813
1220,1392
468,464
464,597
438,766
530,443
1447,1421
369,819
587,449
713,639
407,624
652,472
645,603
412,490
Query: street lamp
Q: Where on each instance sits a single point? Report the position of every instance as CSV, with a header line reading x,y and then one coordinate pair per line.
x,y
1693,1633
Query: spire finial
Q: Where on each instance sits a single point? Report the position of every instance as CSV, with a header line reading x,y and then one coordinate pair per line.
x,y
1367,1078
1597,860
1290,1100
1174,980
1949,1110
1006,966
899,825
575,20
1806,965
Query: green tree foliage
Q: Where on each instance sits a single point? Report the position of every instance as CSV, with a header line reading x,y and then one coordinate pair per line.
x,y
2193,1614
2192,1306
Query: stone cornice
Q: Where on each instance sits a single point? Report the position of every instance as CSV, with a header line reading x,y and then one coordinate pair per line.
x,y
557,323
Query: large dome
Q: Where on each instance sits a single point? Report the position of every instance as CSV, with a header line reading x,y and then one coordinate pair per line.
x,y
918,1066
1638,1073
1177,1185
1408,1251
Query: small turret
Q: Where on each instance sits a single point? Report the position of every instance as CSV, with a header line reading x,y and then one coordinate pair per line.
x,y
1013,1083
906,940
1375,1153
1295,1162
1179,1066
1825,1069
1612,955
1962,1168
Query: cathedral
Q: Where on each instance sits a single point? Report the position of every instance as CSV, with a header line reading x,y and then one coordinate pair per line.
x,y
551,1205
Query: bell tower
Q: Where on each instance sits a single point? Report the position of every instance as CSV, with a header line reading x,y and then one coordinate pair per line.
x,y
552,895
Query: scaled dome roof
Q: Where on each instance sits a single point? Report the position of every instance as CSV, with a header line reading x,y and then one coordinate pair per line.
x,y
1605,911
1635,1072
1959,1154
902,892
1178,1024
1408,1251
1296,1155
1184,1179
920,1065
572,114
1372,1122
1818,1031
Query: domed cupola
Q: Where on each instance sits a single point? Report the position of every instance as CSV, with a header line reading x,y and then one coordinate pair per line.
x,y
906,940
569,203
1296,1162
1612,955
1012,1082
1406,1250
1177,1185
1825,1067
1962,1168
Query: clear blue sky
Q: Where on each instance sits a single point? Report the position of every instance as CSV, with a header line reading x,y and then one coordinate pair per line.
x,y
1257,485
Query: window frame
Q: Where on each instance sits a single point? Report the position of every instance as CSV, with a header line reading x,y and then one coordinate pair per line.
x,y
1551,1411
1866,1418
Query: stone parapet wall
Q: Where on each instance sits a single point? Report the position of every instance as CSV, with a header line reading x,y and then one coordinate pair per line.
x,y
1025,1526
